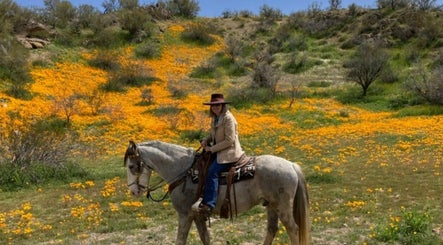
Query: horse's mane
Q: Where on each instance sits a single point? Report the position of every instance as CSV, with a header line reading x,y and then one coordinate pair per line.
x,y
168,149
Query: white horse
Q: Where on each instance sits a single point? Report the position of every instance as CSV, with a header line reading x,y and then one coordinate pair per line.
x,y
278,184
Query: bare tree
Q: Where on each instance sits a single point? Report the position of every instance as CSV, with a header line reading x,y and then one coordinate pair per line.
x,y
367,65
110,6
424,4
67,105
295,92
334,4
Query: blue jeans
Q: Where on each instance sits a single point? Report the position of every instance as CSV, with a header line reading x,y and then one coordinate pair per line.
x,y
211,187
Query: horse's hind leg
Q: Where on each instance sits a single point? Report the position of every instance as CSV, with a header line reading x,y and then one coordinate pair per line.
x,y
288,221
272,226
202,228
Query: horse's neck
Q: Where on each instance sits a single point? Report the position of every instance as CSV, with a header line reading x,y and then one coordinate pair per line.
x,y
170,161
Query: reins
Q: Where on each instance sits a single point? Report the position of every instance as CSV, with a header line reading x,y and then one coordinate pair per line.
x,y
161,184
158,185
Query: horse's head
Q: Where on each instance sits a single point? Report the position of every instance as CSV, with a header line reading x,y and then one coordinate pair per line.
x,y
137,172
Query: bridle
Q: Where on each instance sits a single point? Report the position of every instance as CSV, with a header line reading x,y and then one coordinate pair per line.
x,y
140,167
139,164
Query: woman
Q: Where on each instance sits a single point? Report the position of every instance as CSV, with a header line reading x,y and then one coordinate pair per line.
x,y
222,141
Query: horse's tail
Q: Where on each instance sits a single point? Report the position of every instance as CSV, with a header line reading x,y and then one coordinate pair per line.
x,y
300,209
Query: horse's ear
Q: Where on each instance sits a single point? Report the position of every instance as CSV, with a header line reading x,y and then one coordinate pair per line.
x,y
132,149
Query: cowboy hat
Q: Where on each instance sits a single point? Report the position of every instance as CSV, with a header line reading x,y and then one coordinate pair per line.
x,y
216,99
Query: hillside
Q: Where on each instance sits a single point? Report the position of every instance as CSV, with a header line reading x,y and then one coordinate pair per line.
x,y
371,161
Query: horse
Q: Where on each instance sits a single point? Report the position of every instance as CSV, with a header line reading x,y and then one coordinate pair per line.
x,y
278,184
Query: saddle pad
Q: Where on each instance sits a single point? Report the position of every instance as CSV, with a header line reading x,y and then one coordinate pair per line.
x,y
245,172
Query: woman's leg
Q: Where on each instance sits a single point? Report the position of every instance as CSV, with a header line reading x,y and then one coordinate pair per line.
x,y
211,188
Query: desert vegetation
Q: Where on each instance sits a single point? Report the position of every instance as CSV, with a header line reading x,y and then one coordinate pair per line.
x,y
354,95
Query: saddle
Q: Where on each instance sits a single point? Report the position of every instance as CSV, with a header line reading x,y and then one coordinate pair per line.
x,y
243,169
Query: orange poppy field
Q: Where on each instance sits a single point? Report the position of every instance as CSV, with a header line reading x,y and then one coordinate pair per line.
x,y
370,173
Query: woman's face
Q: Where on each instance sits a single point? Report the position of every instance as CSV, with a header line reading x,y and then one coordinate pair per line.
x,y
216,109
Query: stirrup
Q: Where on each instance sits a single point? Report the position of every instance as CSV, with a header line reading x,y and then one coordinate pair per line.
x,y
196,206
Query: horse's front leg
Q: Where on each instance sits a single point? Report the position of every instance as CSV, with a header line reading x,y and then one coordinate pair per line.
x,y
184,225
200,223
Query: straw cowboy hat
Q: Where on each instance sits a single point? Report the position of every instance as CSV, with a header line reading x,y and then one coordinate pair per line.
x,y
216,99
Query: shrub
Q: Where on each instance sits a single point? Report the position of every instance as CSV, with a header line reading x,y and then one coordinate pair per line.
x,y
233,47
32,152
198,32
206,70
264,74
86,15
430,32
297,64
410,227
106,38
183,8
246,14
428,85
14,67
13,177
59,13
105,60
393,5
149,49
137,22
132,75
270,13
246,97
146,97
238,68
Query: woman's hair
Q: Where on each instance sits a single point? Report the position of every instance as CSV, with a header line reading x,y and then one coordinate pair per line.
x,y
224,109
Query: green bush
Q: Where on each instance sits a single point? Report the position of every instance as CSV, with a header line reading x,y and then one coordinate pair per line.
x,y
270,13
129,76
246,97
13,177
410,227
183,8
105,60
14,67
149,49
199,33
107,37
138,23
204,71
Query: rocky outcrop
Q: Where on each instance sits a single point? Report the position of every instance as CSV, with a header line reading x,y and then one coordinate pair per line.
x,y
32,43
31,36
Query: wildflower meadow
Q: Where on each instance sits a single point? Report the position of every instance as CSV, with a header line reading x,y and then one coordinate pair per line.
x,y
374,176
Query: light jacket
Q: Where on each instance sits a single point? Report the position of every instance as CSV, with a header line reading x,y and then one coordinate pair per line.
x,y
224,139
